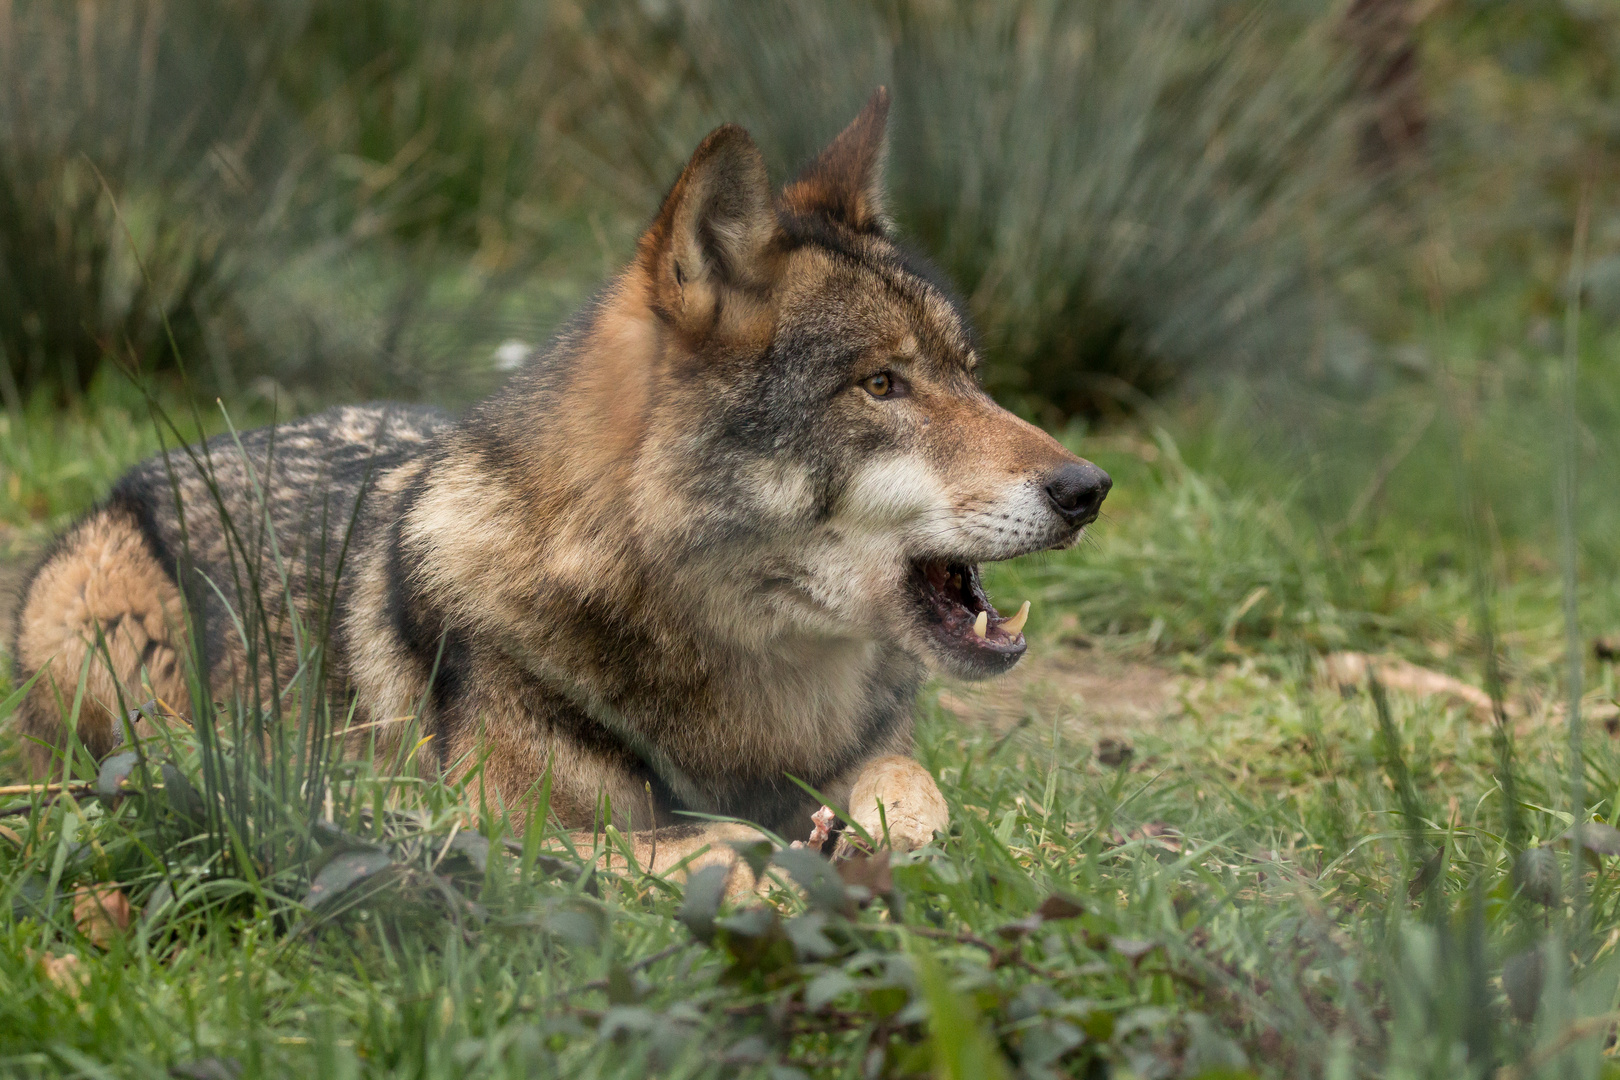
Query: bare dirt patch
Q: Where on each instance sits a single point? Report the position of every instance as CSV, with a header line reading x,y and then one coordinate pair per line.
x,y
1095,690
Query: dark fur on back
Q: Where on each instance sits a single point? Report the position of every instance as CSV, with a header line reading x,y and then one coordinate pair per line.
x,y
271,514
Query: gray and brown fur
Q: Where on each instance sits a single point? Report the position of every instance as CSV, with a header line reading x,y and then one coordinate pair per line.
x,y
671,552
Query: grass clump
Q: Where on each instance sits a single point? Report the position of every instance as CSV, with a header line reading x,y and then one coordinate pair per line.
x,y
127,137
1127,194
1145,201
1273,876
1243,894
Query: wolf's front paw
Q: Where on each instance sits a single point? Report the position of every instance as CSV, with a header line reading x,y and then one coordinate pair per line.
x,y
913,808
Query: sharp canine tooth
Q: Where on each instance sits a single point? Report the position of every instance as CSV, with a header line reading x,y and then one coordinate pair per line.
x,y
1016,624
981,625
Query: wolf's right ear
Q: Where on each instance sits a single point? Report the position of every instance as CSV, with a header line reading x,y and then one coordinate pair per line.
x,y
845,181
713,231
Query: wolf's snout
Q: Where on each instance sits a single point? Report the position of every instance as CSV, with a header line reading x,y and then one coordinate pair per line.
x,y
1077,490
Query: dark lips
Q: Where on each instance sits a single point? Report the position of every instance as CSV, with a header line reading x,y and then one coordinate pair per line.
x,y
952,596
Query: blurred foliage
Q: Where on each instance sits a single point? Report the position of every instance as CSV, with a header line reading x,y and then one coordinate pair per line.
x,y
1125,193
163,202
367,197
1164,223
1242,897
97,103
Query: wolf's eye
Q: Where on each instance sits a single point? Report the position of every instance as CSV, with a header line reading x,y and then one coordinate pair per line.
x,y
879,385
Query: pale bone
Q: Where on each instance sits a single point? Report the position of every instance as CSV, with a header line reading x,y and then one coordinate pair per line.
x,y
913,808
710,846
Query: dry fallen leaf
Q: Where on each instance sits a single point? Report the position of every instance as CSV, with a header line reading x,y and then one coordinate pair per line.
x,y
1114,752
1349,671
64,971
870,872
101,913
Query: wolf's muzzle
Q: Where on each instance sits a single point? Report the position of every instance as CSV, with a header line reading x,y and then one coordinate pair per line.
x,y
1077,491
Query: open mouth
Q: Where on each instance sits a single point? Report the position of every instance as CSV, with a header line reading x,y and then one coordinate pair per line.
x,y
965,625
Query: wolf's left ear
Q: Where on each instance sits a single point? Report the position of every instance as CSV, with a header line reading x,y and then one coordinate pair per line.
x,y
713,231
845,181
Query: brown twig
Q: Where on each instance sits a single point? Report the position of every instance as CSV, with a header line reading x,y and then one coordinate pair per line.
x,y
47,789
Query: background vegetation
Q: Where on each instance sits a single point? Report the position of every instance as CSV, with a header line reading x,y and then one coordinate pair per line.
x,y
1332,290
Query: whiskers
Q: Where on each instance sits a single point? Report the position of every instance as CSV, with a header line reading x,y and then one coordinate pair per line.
x,y
988,529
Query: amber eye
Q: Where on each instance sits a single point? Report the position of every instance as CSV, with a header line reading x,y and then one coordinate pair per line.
x,y
879,385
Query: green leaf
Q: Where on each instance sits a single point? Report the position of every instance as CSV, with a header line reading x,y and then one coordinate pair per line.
x,y
1522,977
806,933
342,874
756,853
821,883
1007,825
1535,872
750,1050
328,835
114,771
826,987
885,1001
621,987
1597,837
1044,1044
1133,949
751,922
28,897
704,891
962,1048
756,941
627,1020
160,899
183,798
573,925
470,847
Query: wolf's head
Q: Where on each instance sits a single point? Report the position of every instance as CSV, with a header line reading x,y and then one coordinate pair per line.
x,y
791,398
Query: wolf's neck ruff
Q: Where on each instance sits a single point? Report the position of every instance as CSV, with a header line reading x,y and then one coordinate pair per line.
x,y
702,546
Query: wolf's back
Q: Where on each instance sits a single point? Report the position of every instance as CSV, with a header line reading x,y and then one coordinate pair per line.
x,y
220,536
275,512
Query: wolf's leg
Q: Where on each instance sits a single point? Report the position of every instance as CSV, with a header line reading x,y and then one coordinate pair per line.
x,y
682,850
912,807
100,595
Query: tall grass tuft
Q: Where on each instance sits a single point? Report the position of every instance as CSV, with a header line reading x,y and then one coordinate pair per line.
x,y
1127,194
126,134
169,170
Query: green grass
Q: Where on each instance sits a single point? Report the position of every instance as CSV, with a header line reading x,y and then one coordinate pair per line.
x,y
1281,880
1274,921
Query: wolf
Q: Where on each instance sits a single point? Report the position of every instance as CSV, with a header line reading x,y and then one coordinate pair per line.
x,y
700,550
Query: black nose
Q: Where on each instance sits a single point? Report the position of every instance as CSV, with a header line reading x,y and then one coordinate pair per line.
x,y
1077,490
